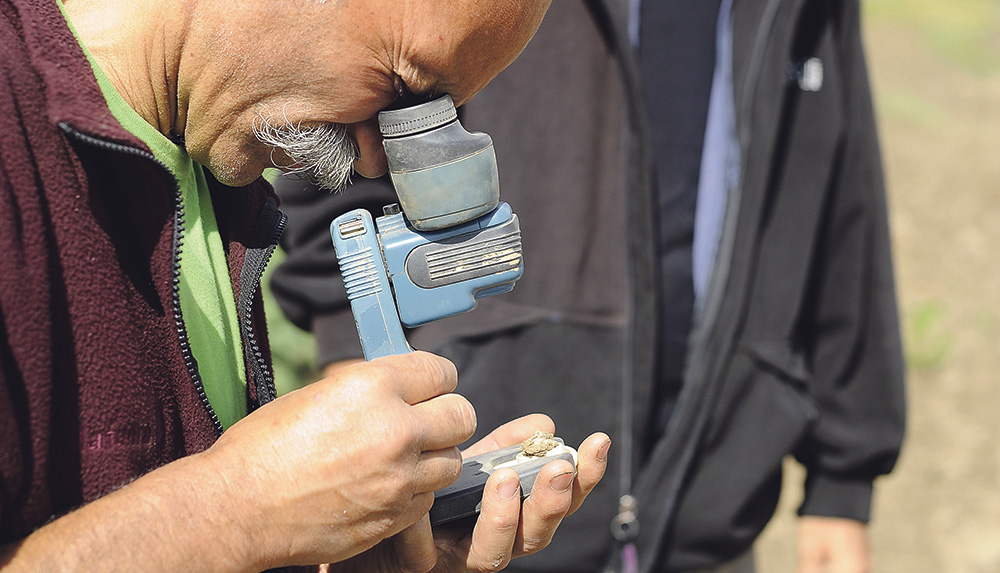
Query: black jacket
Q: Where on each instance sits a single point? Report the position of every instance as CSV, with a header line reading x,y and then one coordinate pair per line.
x,y
796,349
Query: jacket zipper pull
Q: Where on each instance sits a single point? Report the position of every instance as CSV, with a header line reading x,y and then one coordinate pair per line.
x,y
625,525
625,529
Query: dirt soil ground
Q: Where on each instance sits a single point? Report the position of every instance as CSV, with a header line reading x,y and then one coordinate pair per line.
x,y
937,89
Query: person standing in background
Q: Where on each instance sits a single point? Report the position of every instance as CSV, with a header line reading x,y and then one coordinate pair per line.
x,y
708,275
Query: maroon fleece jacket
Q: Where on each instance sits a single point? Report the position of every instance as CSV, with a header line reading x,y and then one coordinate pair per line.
x,y
94,385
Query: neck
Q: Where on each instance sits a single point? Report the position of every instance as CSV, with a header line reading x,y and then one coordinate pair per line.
x,y
139,45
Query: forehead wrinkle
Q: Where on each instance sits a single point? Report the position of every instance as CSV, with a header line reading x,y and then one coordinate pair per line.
x,y
447,50
413,56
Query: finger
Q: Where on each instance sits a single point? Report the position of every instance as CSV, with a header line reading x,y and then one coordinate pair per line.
x,y
511,433
495,531
444,422
437,469
411,515
548,503
371,161
592,462
415,551
415,376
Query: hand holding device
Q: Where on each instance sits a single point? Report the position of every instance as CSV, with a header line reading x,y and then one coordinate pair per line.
x,y
449,242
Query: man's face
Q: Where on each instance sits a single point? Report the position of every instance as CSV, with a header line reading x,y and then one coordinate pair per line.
x,y
322,71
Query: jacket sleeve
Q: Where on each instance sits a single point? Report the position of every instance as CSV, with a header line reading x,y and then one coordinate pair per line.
x,y
307,284
856,351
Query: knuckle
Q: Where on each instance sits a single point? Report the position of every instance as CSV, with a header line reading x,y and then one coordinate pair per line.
x,y
366,386
551,509
491,563
501,523
456,416
365,374
390,519
454,468
400,437
376,527
390,494
500,562
400,496
535,543
423,501
466,416
395,497
447,371
439,369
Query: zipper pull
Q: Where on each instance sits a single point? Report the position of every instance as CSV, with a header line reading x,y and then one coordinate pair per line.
x,y
625,529
625,525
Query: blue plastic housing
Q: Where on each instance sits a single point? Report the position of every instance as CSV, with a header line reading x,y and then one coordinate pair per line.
x,y
432,274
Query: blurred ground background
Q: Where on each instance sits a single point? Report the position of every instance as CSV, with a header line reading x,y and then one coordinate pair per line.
x,y
935,69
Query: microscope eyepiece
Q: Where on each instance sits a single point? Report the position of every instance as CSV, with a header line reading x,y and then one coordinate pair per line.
x,y
443,174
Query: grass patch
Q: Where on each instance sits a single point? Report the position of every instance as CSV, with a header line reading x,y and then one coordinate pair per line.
x,y
911,107
293,350
926,342
965,32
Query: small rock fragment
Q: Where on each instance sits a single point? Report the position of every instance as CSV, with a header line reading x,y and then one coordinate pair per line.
x,y
538,445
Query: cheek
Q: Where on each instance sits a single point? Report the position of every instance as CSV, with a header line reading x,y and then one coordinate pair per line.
x,y
372,162
236,163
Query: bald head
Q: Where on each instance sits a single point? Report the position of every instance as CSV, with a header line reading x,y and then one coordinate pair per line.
x,y
457,47
211,69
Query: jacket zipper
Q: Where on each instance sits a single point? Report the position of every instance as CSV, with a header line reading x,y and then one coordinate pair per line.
x,y
638,351
268,230
175,263
676,447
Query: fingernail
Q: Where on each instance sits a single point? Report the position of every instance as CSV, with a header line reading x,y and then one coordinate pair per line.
x,y
507,489
602,454
562,481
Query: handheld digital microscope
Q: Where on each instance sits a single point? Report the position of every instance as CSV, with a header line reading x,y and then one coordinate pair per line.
x,y
449,242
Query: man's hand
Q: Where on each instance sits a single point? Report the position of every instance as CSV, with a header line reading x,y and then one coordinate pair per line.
x,y
505,529
343,463
318,475
833,545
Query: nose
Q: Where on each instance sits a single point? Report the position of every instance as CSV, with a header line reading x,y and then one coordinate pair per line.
x,y
371,161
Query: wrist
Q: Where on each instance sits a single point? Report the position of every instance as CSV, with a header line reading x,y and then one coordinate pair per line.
x,y
175,517
205,513
229,514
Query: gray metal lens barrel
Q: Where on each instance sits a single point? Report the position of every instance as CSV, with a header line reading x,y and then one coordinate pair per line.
x,y
443,175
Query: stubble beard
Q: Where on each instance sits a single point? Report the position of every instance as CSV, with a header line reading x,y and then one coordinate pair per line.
x,y
322,155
